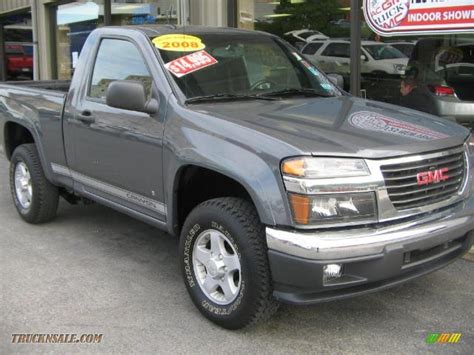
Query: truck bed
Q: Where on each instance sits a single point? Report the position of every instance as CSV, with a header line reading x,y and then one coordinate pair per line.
x,y
54,85
38,106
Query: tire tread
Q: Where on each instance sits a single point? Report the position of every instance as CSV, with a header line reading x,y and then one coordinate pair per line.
x,y
46,194
244,213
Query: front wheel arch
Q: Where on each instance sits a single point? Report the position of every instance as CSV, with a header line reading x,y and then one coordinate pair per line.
x,y
188,193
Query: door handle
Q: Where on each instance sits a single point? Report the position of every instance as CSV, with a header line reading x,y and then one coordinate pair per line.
x,y
86,117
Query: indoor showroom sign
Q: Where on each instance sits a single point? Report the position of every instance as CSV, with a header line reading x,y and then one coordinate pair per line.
x,y
414,17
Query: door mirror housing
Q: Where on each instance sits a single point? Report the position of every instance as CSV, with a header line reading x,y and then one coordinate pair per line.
x,y
364,58
130,95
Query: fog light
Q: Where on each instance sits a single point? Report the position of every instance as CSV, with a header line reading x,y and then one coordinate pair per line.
x,y
331,272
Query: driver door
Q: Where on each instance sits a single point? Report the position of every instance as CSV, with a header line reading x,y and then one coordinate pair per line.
x,y
118,153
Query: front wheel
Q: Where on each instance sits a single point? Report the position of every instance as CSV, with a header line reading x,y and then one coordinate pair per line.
x,y
225,263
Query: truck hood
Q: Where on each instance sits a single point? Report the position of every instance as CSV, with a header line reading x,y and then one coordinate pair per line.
x,y
340,126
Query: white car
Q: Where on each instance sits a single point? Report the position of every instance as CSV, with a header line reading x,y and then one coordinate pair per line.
x,y
343,23
404,46
299,38
334,56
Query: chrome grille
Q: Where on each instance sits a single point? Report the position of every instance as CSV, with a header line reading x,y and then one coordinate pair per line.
x,y
402,183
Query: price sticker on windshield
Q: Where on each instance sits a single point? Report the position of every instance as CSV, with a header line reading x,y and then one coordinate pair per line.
x,y
190,63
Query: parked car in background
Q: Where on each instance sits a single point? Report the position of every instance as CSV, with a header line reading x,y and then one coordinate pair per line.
x,y
299,38
334,56
404,47
342,23
19,61
447,72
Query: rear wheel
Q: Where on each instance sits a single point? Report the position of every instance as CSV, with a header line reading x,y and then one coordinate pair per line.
x,y
35,198
225,263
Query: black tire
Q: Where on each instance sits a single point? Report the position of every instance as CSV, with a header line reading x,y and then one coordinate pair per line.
x,y
45,196
238,220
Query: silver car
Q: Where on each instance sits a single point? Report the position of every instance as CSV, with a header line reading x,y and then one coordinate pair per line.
x,y
446,72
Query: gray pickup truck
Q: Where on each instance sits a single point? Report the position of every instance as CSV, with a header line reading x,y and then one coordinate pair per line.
x,y
280,186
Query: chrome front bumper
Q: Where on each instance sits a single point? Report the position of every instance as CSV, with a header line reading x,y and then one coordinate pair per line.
x,y
435,228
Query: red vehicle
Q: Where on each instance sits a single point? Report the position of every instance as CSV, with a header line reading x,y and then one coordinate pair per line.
x,y
19,61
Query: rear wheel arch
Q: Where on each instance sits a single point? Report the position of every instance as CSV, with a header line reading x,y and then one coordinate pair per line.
x,y
15,135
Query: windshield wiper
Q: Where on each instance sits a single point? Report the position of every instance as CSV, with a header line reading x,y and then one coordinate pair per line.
x,y
228,97
294,91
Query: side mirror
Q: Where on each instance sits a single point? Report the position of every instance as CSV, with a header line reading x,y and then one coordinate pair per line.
x,y
130,95
336,79
364,58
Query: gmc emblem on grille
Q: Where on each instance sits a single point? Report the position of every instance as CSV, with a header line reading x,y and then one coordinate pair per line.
x,y
432,176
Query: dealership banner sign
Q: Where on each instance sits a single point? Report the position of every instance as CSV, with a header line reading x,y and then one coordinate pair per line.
x,y
410,17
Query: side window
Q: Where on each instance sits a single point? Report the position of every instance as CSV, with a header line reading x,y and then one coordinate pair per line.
x,y
312,48
118,60
341,50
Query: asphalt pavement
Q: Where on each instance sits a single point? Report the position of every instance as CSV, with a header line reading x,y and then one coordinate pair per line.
x,y
94,270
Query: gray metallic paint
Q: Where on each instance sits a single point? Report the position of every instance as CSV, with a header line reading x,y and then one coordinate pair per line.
x,y
38,111
320,126
245,141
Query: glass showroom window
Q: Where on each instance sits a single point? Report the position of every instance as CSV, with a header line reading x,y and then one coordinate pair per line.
x,y
439,78
313,26
140,12
433,74
76,20
18,50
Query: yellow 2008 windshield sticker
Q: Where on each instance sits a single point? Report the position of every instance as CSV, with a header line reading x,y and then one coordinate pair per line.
x,y
178,43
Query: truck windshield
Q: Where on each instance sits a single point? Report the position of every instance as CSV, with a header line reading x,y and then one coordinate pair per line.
x,y
236,66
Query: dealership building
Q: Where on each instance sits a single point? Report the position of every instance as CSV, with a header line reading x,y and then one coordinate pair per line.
x,y
49,35
55,31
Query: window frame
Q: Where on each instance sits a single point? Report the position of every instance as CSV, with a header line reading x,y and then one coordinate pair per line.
x,y
333,56
321,44
87,96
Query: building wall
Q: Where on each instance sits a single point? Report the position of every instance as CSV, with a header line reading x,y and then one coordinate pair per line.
x,y
202,12
43,38
12,5
208,13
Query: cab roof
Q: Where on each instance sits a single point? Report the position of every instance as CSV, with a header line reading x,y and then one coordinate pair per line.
x,y
157,30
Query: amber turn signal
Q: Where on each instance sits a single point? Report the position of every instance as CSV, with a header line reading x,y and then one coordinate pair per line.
x,y
300,206
294,167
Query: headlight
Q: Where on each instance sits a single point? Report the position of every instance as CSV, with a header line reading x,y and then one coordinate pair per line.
x,y
401,68
329,208
324,168
333,208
